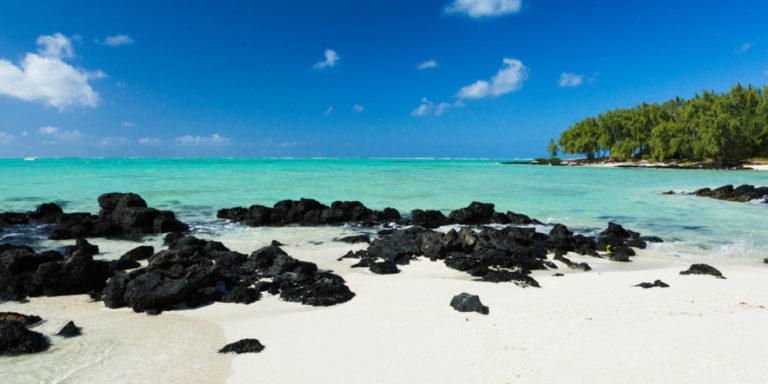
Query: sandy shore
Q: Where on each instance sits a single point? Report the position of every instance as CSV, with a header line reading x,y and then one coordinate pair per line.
x,y
584,327
591,327
646,164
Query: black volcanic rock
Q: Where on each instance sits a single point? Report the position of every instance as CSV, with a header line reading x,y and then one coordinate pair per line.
x,y
317,289
82,247
429,218
241,294
195,272
142,252
18,259
16,339
398,246
384,268
243,346
572,265
464,302
308,212
70,330
703,269
742,193
77,275
476,213
353,239
657,283
520,219
121,214
154,289
21,318
616,230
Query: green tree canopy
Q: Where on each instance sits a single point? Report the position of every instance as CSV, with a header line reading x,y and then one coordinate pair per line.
x,y
728,127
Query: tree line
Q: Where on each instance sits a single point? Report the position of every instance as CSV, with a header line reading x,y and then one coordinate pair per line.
x,y
727,127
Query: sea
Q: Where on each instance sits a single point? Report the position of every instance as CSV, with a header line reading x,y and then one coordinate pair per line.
x,y
583,198
115,344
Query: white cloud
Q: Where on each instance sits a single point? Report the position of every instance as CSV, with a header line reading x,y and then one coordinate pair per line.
x,y
60,134
570,80
24,133
283,144
330,60
118,40
6,138
120,84
358,108
213,139
744,48
427,64
150,141
43,77
112,141
766,72
127,124
328,111
56,45
510,78
429,108
48,130
482,8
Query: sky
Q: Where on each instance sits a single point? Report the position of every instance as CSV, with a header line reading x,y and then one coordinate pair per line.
x,y
427,78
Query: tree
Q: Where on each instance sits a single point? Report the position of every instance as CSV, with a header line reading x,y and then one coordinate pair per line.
x,y
552,149
729,127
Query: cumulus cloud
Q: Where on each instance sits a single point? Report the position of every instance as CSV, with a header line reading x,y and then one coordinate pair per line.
x,y
45,78
427,64
358,108
427,108
118,40
568,79
281,144
59,134
510,78
213,139
6,138
483,8
112,141
150,141
330,60
56,45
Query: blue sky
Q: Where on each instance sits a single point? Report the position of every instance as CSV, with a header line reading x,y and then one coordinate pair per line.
x,y
498,78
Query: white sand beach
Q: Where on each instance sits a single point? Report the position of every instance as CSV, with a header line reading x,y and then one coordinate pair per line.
x,y
581,327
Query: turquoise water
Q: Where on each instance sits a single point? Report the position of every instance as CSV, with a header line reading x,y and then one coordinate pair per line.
x,y
580,197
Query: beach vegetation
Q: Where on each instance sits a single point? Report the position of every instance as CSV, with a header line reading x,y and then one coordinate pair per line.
x,y
727,128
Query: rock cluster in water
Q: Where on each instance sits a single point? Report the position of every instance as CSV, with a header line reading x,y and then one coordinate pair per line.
x,y
308,212
121,214
742,193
